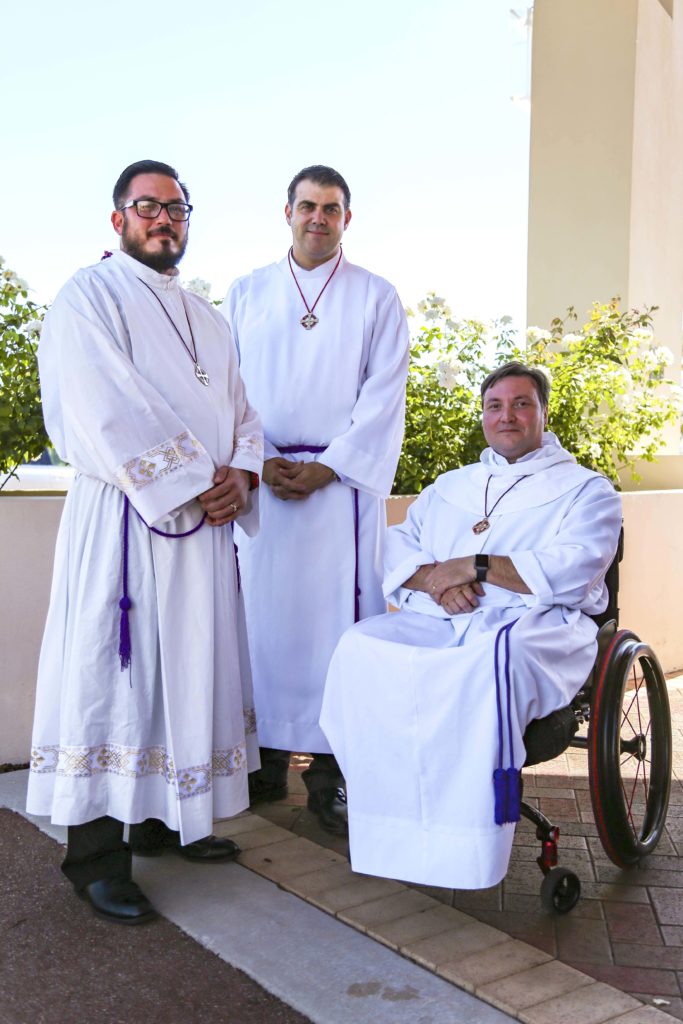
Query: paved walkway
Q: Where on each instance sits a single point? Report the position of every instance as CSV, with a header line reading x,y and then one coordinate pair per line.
x,y
59,964
616,959
626,932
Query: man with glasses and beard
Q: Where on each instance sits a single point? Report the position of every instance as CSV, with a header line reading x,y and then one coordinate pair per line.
x,y
144,713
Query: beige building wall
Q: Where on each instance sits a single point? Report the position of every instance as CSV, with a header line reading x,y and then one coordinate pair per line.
x,y
606,152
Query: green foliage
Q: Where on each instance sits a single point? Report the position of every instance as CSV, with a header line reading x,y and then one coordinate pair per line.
x,y
610,395
22,434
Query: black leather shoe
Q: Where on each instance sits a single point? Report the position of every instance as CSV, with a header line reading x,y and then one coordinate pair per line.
x,y
329,807
119,900
261,791
152,839
210,850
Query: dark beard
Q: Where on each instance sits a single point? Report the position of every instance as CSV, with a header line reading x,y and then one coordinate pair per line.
x,y
160,261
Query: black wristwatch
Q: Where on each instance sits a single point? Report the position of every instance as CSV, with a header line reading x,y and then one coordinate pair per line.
x,y
481,567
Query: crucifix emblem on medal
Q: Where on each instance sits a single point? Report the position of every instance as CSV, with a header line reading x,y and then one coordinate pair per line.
x,y
309,321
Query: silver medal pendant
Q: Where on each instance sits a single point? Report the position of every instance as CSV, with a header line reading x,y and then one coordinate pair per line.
x,y
201,375
309,321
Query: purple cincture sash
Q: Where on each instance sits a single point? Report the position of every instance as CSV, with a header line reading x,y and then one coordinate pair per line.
x,y
297,449
125,604
506,781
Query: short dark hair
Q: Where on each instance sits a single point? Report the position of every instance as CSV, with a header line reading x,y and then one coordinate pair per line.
x,y
518,369
144,167
319,174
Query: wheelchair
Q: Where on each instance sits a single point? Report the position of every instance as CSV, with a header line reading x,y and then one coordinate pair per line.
x,y
625,706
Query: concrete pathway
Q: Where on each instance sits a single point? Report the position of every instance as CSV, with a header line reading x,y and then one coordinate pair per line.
x,y
331,973
276,921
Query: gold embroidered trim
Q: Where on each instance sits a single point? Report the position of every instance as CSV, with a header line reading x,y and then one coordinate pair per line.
x,y
249,721
166,458
248,444
137,763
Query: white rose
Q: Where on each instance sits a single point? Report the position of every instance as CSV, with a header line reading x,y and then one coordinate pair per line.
x,y
534,334
449,372
623,378
34,327
664,355
198,286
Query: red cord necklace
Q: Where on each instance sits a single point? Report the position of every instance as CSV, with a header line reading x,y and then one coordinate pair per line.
x,y
310,319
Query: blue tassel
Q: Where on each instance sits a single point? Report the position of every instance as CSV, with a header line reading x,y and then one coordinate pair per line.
x,y
124,632
500,790
514,790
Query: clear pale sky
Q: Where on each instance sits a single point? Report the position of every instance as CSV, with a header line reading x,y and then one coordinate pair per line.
x,y
410,101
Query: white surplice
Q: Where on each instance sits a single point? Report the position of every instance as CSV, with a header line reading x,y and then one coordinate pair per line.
x,y
170,736
410,703
341,387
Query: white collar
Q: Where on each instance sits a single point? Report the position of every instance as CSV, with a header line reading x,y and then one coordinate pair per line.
x,y
549,454
323,270
162,282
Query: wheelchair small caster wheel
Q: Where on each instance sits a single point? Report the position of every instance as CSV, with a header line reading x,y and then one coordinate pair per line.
x,y
560,891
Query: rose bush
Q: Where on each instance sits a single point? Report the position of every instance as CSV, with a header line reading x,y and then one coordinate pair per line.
x,y
22,434
610,399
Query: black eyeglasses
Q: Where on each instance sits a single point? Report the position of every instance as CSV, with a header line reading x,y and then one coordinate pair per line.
x,y
150,208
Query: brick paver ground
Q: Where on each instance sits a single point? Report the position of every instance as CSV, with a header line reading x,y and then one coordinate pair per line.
x,y
627,929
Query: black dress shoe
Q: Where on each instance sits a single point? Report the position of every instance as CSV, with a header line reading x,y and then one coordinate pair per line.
x,y
119,900
210,850
262,791
329,807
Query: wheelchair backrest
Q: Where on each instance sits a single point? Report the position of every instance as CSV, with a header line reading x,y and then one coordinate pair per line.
x,y
612,584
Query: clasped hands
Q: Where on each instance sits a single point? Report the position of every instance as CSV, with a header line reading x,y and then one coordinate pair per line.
x,y
294,481
450,584
227,498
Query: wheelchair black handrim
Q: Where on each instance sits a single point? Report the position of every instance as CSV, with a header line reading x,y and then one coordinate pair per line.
x,y
629,750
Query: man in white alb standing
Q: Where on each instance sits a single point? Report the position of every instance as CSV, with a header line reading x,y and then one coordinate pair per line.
x,y
144,712
324,355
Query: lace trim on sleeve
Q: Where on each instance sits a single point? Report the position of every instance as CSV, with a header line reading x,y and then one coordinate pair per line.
x,y
248,444
165,458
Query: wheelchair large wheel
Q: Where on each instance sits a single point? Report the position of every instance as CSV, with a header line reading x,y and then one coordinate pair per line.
x,y
629,749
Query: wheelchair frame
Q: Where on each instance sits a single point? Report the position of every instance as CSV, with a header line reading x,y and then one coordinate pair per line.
x,y
625,704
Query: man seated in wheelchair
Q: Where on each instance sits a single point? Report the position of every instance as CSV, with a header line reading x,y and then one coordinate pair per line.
x,y
495,572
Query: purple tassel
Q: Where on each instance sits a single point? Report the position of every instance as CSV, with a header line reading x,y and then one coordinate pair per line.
x,y
514,793
125,602
124,633
237,568
507,782
356,580
500,790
